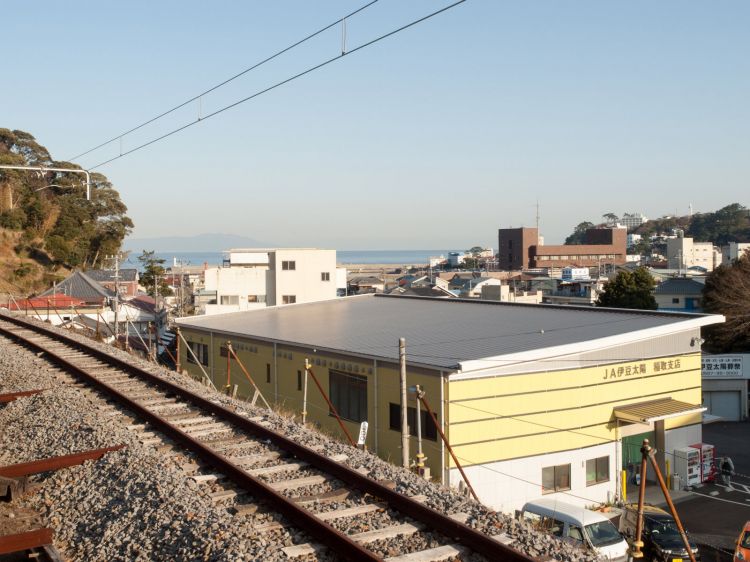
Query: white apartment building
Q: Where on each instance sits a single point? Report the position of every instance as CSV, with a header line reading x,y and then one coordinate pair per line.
x,y
632,220
683,253
733,251
255,278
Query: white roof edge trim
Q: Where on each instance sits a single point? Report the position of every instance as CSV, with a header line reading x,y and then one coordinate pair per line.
x,y
197,321
474,369
698,410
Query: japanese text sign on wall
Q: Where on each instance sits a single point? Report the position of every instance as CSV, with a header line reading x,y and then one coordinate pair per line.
x,y
642,368
721,366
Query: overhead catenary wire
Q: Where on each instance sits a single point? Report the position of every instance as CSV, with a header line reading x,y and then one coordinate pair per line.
x,y
199,97
281,83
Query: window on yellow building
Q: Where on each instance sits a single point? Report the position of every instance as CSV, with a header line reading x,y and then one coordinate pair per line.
x,y
348,394
428,426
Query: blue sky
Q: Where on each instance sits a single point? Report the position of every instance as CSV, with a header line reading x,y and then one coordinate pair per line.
x,y
433,138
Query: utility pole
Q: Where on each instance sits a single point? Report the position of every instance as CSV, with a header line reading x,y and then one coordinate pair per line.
x,y
116,257
404,407
420,456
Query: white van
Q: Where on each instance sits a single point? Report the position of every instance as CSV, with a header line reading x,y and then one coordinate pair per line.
x,y
577,525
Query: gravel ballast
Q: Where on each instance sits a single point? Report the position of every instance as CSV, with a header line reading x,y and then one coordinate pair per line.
x,y
138,503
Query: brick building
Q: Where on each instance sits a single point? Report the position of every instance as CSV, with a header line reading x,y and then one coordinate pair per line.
x,y
519,248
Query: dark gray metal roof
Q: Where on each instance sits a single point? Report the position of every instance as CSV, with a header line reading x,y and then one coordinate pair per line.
x,y
680,286
108,275
440,333
81,286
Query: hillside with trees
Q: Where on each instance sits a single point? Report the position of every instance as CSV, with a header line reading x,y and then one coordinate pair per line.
x,y
728,224
727,292
47,227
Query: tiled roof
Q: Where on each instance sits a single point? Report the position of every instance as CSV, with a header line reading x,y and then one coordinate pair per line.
x,y
81,286
54,301
680,286
108,275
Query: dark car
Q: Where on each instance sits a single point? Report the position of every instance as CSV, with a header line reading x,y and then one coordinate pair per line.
x,y
661,538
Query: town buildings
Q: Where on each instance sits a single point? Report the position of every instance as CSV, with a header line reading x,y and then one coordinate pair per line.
x,y
682,294
256,278
684,253
81,302
632,220
520,248
534,399
124,281
733,251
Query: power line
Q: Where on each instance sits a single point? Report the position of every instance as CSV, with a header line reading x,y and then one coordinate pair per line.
x,y
282,82
228,80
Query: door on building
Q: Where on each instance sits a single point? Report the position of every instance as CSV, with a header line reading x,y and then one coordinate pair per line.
x,y
631,453
725,404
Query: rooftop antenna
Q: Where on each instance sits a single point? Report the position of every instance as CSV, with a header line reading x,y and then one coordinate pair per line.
x,y
537,215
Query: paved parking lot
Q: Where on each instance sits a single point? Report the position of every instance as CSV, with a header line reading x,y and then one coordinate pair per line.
x,y
713,514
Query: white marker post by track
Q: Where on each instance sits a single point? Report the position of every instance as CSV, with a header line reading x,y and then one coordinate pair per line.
x,y
362,434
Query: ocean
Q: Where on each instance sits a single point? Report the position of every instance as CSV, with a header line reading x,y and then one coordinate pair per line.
x,y
389,257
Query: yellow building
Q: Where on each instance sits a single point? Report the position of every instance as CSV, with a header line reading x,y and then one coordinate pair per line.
x,y
534,399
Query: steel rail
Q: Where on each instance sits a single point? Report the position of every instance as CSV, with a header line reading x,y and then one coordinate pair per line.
x,y
339,542
25,541
55,463
10,396
334,539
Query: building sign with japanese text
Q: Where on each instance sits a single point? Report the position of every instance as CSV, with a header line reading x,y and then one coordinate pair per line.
x,y
723,366
642,368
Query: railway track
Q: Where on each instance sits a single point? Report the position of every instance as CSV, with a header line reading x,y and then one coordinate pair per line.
x,y
235,456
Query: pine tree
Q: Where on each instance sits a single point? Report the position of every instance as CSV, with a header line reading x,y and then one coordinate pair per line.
x,y
629,290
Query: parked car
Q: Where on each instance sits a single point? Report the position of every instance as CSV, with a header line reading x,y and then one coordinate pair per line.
x,y
661,538
742,552
579,526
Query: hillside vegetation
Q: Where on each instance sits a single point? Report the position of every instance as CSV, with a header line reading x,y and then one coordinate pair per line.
x,y
47,227
728,224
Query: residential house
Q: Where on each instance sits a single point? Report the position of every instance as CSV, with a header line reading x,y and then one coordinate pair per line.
x,y
359,285
681,294
127,280
504,293
423,291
